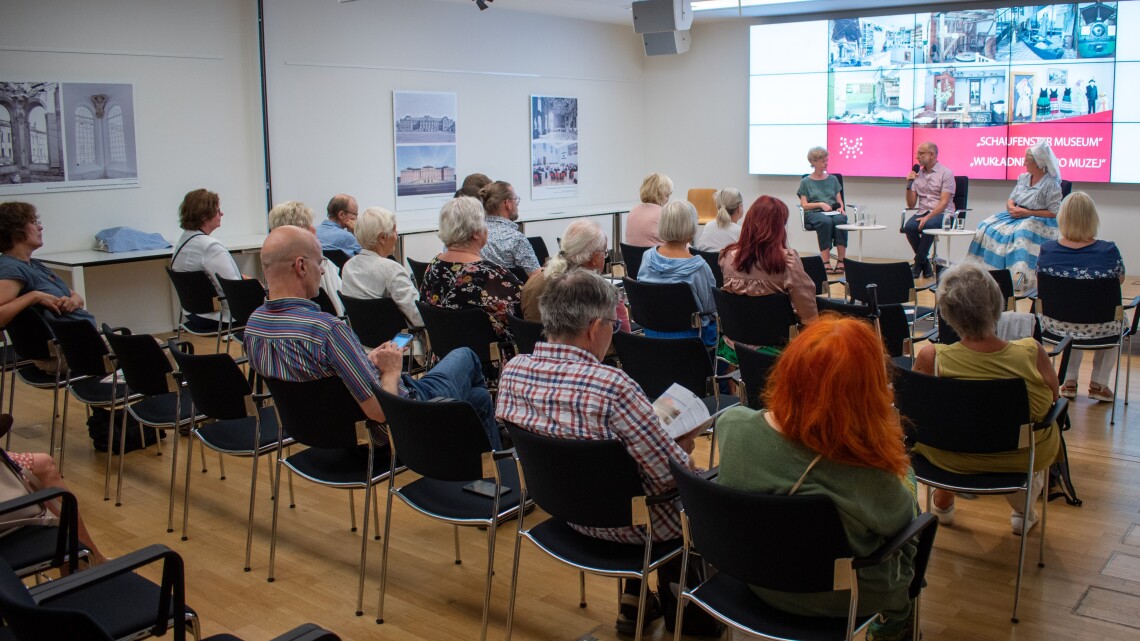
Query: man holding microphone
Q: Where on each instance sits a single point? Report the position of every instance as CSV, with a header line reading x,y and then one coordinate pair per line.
x,y
930,190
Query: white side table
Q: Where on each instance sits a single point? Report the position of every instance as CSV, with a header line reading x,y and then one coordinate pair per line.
x,y
949,235
860,229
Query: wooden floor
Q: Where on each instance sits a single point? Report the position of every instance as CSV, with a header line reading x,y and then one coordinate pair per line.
x,y
1089,589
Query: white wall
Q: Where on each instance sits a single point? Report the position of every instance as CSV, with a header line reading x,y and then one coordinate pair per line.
x,y
198,124
697,122
332,69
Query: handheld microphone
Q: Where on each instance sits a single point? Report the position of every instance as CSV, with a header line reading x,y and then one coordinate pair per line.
x,y
915,168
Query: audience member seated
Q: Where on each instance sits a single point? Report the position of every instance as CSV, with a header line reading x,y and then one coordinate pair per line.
x,y
761,262
371,274
335,232
460,278
1078,254
506,245
725,229
930,190
1012,239
289,338
24,281
584,246
830,429
472,184
821,197
199,215
971,303
671,262
563,390
43,473
641,223
298,214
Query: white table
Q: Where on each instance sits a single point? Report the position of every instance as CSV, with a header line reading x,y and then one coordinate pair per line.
x,y
949,235
75,262
860,229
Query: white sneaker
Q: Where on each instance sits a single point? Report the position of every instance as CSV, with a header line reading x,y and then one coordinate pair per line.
x,y
1017,521
945,516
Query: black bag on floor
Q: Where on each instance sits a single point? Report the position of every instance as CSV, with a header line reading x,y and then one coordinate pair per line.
x,y
99,427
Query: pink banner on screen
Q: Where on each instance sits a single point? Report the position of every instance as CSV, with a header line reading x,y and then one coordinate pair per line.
x,y
977,152
1083,145
868,150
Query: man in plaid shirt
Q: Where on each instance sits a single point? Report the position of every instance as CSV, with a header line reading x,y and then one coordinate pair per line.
x,y
564,390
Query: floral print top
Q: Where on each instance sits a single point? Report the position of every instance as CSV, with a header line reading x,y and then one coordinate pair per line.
x,y
1099,260
481,284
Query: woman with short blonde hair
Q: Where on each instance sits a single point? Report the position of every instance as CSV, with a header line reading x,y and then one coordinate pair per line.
x,y
821,199
371,274
641,223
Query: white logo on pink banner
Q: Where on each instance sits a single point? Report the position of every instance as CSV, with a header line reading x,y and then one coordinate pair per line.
x,y
850,149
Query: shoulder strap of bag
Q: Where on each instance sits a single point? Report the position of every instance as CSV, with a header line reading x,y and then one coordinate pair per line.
x,y
184,243
800,481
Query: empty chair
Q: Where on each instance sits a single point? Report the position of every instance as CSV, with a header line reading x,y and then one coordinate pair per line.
x,y
754,368
809,552
895,285
631,257
449,329
445,443
196,295
229,419
324,416
418,271
704,201
540,251
815,269
892,323
526,334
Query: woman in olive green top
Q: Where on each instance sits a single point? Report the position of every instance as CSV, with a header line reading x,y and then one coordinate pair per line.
x,y
821,199
970,301
830,430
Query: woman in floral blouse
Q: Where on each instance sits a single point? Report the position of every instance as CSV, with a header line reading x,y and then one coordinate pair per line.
x,y
459,278
1078,254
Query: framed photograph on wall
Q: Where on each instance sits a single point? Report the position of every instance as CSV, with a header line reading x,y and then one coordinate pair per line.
x,y
424,135
553,147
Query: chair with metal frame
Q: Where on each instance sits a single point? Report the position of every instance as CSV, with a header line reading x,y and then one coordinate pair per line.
x,y
196,295
767,320
526,334
850,207
229,418
612,495
1089,301
446,445
657,363
631,256
712,259
895,285
450,329
985,417
813,266
324,416
664,307
732,531
32,549
159,405
243,296
418,270
87,361
32,341
325,302
892,323
754,369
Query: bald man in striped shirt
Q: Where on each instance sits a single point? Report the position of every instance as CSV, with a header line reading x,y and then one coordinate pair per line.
x,y
289,338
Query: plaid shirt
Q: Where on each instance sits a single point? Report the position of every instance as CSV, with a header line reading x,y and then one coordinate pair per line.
x,y
507,246
563,391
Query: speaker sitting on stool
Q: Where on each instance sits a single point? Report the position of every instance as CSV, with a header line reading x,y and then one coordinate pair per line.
x,y
666,42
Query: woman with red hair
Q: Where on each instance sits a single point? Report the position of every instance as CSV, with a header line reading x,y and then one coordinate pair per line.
x,y
830,429
761,263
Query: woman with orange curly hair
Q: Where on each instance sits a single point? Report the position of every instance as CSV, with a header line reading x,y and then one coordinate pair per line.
x,y
829,429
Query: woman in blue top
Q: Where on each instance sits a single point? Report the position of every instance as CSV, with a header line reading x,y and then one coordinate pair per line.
x,y
672,262
1078,254
25,281
1012,239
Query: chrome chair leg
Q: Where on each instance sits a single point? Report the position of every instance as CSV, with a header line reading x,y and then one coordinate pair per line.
x,y
384,554
582,590
352,509
273,528
364,541
173,476
492,528
221,466
458,560
515,582
122,456
252,503
376,515
186,489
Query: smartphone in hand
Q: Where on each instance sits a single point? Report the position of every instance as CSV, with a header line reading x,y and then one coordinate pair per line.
x,y
402,339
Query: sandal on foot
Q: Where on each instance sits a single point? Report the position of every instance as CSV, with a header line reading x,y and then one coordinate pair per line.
x,y
839,267
1100,392
1069,389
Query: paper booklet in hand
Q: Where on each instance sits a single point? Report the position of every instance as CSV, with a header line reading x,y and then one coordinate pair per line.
x,y
682,412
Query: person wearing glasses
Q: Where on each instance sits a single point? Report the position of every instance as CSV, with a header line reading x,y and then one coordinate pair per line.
x,y
335,232
584,246
563,390
506,245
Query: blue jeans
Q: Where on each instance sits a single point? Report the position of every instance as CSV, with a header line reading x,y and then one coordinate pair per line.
x,y
459,375
919,241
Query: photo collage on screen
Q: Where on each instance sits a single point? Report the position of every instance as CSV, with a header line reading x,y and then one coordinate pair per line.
x,y
982,84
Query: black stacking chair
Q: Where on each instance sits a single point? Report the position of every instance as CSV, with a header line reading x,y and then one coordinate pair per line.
x,y
1066,188
756,320
731,530
229,419
418,271
446,445
32,341
31,549
526,334
657,363
196,294
895,285
815,269
336,257
985,417
325,302
611,496
631,255
243,296
160,404
450,329
540,251
663,307
754,369
893,324
104,603
324,416
1095,300
87,361
374,320
713,261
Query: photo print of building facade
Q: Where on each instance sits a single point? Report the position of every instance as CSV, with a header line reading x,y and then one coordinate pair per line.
x,y
553,147
31,143
424,125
